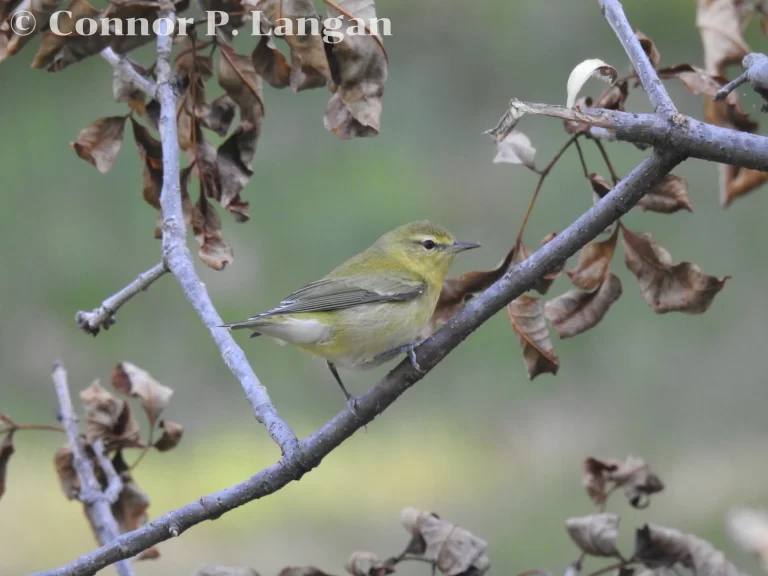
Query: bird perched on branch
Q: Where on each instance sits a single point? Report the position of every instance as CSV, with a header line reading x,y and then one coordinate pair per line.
x,y
372,307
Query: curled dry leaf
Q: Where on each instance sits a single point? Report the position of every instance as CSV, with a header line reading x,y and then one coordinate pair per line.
x,y
109,418
151,155
602,476
583,72
595,534
6,451
219,114
577,311
206,225
600,186
668,196
124,91
668,287
99,143
359,66
63,462
271,64
454,549
649,47
543,284
172,433
131,380
720,28
10,42
515,148
529,323
612,98
660,547
308,57
749,529
594,263
362,563
240,81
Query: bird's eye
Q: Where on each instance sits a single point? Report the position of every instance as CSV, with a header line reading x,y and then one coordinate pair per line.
x,y
429,244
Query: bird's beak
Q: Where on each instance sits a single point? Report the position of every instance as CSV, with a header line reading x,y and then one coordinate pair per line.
x,y
461,246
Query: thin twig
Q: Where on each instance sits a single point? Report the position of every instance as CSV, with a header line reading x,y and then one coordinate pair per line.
x,y
104,316
653,87
114,482
542,176
96,502
582,161
722,94
177,257
122,65
608,162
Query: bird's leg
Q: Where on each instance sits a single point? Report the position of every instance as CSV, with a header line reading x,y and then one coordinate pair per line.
x,y
351,400
407,348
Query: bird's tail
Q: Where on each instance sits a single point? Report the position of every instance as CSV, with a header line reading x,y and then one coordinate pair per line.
x,y
251,323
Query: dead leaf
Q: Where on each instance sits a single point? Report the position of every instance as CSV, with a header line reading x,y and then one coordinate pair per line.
x,y
271,64
660,547
720,28
668,196
235,161
602,476
740,181
527,316
11,42
595,476
206,225
595,534
368,564
240,81
612,98
454,549
219,115
172,433
237,10
123,89
308,49
6,451
515,148
584,71
600,186
359,66
748,527
577,311
99,143
668,287
151,155
649,48
594,263
543,284
131,380
109,418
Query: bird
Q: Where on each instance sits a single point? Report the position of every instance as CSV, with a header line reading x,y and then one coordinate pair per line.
x,y
371,308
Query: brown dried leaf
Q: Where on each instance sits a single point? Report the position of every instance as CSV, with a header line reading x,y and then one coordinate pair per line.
x,y
649,48
271,64
151,155
613,98
206,225
307,50
172,433
740,181
749,529
577,311
108,418
668,196
456,292
668,287
131,380
219,114
595,476
720,28
130,511
10,42
6,451
600,186
63,462
594,263
240,81
368,564
637,480
527,316
57,51
359,65
660,547
235,161
123,89
454,549
515,148
543,284
237,10
99,143
595,534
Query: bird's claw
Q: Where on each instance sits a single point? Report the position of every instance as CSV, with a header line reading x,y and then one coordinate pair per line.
x,y
414,362
352,405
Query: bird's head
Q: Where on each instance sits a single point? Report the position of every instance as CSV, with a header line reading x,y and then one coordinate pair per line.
x,y
424,248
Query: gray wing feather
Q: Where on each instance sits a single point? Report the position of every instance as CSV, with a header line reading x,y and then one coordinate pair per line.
x,y
339,293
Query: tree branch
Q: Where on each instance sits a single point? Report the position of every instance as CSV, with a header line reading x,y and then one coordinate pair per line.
x,y
103,316
177,257
96,502
652,85
121,64
689,136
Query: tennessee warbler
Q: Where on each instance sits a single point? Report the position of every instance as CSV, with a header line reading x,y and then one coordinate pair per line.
x,y
372,307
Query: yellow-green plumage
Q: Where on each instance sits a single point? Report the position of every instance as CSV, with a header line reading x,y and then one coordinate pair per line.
x,y
377,301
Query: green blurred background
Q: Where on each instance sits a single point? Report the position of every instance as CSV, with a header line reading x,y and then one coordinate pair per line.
x,y
474,441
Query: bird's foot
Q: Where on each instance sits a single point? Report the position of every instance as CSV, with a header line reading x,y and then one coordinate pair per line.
x,y
352,405
415,362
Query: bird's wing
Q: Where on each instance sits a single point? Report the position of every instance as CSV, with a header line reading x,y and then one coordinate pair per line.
x,y
338,293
